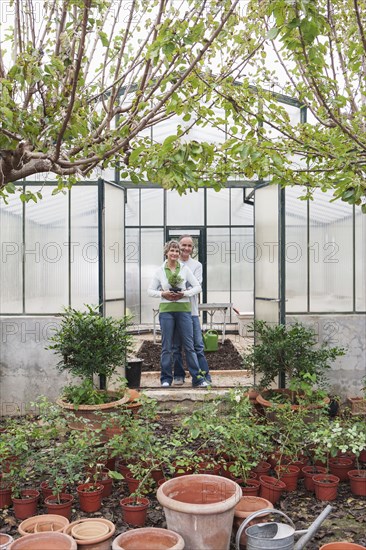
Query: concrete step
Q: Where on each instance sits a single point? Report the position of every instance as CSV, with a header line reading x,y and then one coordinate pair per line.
x,y
182,399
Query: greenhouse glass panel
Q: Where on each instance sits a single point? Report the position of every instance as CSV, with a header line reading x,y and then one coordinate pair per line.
x,y
186,209
360,259
330,253
132,266
242,268
166,128
152,206
241,212
115,309
11,275
296,252
113,242
133,207
218,267
84,246
218,212
46,253
152,244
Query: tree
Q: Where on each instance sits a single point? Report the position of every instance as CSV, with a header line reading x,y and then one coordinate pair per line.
x,y
320,47
82,82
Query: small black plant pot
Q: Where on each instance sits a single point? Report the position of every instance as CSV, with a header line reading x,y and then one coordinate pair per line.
x,y
174,289
133,372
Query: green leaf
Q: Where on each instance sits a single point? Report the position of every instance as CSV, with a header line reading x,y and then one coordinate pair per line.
x,y
272,33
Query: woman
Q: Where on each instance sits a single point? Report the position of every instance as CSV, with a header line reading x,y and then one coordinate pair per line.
x,y
175,313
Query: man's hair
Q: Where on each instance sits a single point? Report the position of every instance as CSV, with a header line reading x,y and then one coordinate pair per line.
x,y
169,245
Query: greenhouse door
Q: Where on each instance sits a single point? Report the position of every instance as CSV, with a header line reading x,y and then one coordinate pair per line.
x,y
199,252
269,272
111,249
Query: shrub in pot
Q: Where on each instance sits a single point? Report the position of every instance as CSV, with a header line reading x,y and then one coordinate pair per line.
x,y
294,351
90,344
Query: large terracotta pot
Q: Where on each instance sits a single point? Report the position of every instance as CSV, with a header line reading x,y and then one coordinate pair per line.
x,y
134,511
201,509
92,541
270,406
152,538
342,546
326,486
44,541
43,523
91,412
246,506
5,541
357,479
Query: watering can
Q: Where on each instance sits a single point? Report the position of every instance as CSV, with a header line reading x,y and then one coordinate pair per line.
x,y
211,340
277,536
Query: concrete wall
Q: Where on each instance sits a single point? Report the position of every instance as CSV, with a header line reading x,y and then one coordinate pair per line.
x,y
28,370
348,331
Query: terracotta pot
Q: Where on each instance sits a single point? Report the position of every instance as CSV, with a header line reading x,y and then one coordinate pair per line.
x,y
300,462
62,508
309,472
201,509
26,505
89,531
5,497
132,483
362,456
45,522
47,491
102,542
262,468
44,541
342,546
339,467
134,511
277,457
326,486
161,481
5,541
357,479
111,463
246,506
107,483
271,488
251,487
90,501
181,470
124,469
209,468
289,475
149,537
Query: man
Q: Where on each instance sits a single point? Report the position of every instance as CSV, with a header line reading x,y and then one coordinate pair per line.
x,y
186,249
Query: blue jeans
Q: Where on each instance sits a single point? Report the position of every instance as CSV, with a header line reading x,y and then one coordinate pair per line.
x,y
198,348
180,322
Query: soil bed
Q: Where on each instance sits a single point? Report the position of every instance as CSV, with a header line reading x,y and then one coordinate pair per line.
x,y
226,357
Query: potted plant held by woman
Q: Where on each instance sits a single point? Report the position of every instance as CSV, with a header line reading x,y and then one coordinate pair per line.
x,y
90,344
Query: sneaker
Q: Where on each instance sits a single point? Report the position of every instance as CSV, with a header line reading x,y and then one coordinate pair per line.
x,y
178,381
165,385
203,384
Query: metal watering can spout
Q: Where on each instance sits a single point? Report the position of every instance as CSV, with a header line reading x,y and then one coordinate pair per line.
x,y
310,532
273,536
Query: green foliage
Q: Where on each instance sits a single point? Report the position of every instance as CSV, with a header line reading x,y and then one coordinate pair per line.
x,y
91,344
175,280
290,349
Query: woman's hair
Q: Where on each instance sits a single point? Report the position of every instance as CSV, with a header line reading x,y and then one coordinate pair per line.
x,y
169,245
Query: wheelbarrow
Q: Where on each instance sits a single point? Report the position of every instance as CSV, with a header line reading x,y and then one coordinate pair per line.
x,y
277,536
